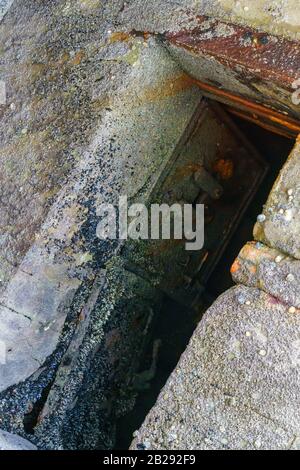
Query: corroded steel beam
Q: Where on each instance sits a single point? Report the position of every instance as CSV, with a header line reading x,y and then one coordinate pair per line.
x,y
256,66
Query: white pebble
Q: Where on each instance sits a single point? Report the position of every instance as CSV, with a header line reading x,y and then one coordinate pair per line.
x,y
248,302
263,352
290,277
288,215
147,444
278,259
261,218
257,444
248,334
292,310
290,192
241,299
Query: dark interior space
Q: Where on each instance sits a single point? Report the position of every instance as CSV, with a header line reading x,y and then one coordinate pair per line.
x,y
173,340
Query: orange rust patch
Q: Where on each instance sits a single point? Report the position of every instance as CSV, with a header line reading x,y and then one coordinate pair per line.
x,y
249,252
119,36
235,267
77,58
63,60
252,269
224,168
171,87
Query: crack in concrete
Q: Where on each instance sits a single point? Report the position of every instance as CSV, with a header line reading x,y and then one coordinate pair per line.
x,y
15,311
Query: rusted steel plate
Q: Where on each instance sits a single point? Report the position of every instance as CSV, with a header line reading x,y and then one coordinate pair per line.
x,y
266,67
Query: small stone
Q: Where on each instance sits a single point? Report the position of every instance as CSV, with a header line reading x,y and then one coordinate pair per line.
x,y
263,352
248,334
290,277
259,245
147,445
288,215
281,211
257,444
292,310
248,302
261,218
24,131
278,259
246,8
290,192
241,299
224,442
13,106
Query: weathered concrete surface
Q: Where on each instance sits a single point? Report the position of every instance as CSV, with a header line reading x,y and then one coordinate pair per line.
x,y
4,7
94,382
89,117
260,266
272,16
77,90
237,385
13,442
279,225
52,271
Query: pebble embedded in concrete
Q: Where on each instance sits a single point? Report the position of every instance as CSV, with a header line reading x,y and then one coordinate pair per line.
x,y
261,218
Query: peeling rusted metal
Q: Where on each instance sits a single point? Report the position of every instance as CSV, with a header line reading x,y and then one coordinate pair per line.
x,y
221,56
267,56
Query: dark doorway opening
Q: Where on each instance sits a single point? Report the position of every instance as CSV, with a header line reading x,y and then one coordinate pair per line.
x,y
176,323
